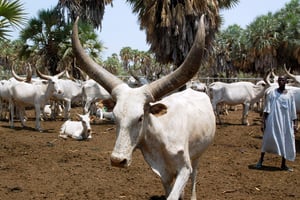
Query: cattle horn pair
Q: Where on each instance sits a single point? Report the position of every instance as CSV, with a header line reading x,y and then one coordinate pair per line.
x,y
47,77
156,89
28,74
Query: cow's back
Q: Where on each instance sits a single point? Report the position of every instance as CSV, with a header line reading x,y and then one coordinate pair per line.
x,y
189,117
233,93
26,93
93,90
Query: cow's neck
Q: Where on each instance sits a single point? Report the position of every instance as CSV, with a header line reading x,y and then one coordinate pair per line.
x,y
48,92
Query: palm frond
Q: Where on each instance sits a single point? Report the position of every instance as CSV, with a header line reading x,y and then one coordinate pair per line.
x,y
91,11
12,15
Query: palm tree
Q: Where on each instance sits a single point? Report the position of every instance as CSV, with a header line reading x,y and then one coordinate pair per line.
x,y
264,39
12,15
126,57
229,50
91,11
289,50
113,65
9,54
47,41
90,41
42,37
170,25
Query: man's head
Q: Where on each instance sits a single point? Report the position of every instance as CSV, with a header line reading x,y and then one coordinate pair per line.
x,y
282,80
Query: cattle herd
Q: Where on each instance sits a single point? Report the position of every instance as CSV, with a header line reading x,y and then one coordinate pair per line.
x,y
147,116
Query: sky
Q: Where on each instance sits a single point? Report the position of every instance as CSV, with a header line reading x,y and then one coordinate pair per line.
x,y
120,27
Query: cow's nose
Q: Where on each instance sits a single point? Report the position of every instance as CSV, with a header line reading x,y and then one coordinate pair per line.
x,y
118,162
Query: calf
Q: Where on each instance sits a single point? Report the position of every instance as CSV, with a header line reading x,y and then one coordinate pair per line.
x,y
78,130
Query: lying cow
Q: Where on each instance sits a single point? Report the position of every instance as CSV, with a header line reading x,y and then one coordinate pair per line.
x,y
78,130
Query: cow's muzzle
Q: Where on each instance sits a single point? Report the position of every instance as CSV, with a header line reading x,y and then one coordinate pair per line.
x,y
118,161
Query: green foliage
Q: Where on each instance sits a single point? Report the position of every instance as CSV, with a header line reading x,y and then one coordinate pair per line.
x,y
113,65
47,42
270,41
12,15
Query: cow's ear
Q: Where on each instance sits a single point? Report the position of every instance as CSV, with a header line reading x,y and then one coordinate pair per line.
x,y
158,109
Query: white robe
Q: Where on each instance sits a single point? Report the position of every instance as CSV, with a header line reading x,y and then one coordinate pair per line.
x,y
279,135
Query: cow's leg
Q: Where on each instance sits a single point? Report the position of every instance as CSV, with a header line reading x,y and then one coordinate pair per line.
x,y
53,110
180,182
44,116
195,164
12,107
37,117
87,106
67,109
184,171
1,109
21,111
4,105
166,179
245,114
217,112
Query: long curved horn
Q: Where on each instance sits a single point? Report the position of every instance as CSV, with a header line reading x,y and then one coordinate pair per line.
x,y
47,77
83,74
267,78
273,73
95,71
60,74
70,76
16,76
43,76
288,73
186,70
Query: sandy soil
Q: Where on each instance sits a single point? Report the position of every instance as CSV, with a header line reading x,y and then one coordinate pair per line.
x,y
36,165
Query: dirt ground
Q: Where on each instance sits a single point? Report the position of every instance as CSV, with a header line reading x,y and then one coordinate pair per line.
x,y
36,165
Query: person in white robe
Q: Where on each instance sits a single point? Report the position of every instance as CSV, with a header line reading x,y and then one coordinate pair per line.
x,y
279,125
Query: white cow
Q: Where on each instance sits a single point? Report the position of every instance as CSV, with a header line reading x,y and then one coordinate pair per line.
x,y
32,94
171,144
5,86
78,130
245,93
105,115
198,86
72,93
5,96
92,92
